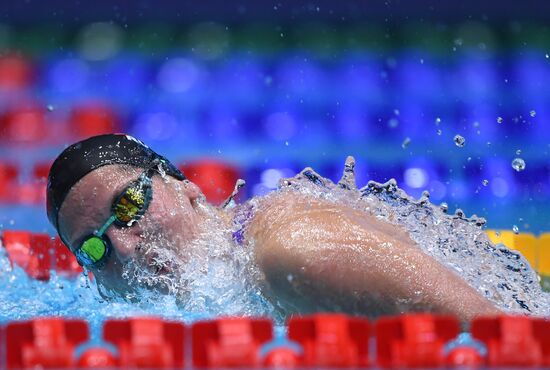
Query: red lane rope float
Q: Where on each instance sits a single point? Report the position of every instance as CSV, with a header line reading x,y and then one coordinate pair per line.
x,y
97,357
327,341
147,342
8,181
37,254
24,124
414,340
331,340
215,179
16,72
230,342
514,340
44,342
92,118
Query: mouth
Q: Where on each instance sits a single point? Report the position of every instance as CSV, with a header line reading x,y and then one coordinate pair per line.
x,y
157,264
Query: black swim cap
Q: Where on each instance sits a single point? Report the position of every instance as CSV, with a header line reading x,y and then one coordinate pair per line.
x,y
81,158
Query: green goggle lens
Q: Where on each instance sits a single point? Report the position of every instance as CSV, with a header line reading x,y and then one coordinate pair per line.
x,y
94,249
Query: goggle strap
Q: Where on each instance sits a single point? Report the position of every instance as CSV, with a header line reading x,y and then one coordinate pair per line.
x,y
106,225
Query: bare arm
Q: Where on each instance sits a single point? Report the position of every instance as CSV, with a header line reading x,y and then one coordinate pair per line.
x,y
318,255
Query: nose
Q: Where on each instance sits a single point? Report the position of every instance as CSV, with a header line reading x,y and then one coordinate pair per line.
x,y
124,241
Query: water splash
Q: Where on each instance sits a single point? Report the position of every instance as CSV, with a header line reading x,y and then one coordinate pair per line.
x,y
458,242
518,164
230,201
348,177
459,140
217,276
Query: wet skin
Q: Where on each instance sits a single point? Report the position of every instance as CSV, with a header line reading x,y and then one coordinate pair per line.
x,y
314,255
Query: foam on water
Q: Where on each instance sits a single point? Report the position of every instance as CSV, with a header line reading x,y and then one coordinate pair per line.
x,y
218,275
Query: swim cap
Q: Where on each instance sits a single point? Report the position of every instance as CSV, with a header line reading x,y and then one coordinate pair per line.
x,y
83,157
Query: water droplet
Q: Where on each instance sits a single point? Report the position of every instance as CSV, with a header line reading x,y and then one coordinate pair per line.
x,y
518,164
532,113
287,143
348,177
485,182
396,112
437,121
393,123
500,119
406,142
439,132
518,152
50,108
459,141
515,229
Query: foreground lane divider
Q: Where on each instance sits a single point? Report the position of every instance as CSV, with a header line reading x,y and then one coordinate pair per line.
x,y
44,343
326,341
514,341
414,340
331,340
230,342
147,342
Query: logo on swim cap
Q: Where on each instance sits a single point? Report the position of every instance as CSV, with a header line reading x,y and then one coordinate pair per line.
x,y
136,141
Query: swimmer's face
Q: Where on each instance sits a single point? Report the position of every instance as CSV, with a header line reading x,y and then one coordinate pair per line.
x,y
171,221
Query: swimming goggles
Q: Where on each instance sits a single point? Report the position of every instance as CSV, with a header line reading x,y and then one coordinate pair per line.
x,y
127,208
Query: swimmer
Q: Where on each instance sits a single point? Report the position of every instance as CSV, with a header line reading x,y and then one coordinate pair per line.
x,y
110,197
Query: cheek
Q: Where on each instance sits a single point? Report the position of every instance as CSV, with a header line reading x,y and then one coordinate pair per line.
x,y
174,215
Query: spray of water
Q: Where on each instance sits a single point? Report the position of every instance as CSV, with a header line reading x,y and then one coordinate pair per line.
x,y
460,243
217,275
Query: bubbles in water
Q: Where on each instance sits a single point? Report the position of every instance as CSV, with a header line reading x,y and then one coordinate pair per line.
x,y
406,142
518,152
532,113
439,132
515,229
485,182
437,121
459,140
500,119
518,164
50,108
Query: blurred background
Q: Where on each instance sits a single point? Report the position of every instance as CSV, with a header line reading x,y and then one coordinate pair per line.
x,y
449,98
